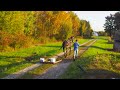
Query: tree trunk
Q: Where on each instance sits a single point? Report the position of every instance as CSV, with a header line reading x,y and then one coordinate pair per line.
x,y
116,45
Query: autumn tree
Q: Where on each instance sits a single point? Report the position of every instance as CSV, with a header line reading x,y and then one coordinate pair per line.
x,y
76,23
25,27
29,22
85,29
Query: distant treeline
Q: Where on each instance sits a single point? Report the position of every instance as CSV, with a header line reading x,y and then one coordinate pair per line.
x,y
23,28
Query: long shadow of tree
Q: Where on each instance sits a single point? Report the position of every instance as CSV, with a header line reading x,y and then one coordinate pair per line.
x,y
102,38
96,72
52,46
5,68
98,47
37,56
99,74
22,60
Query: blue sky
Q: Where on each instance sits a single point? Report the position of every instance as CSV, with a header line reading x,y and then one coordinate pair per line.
x,y
96,18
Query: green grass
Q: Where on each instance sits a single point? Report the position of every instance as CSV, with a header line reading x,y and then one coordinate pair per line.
x,y
38,71
33,73
96,58
14,61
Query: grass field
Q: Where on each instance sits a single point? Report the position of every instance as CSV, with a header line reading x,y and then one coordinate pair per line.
x,y
97,61
14,61
38,71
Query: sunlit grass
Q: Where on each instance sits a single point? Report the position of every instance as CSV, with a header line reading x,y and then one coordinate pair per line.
x,y
38,71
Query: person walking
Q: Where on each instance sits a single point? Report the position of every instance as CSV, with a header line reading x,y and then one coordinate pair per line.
x,y
76,45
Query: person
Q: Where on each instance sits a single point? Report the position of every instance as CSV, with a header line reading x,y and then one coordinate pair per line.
x,y
76,45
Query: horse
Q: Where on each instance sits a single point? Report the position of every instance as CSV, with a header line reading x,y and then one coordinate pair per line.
x,y
67,46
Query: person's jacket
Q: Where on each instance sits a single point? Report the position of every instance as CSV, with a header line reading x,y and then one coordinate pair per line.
x,y
76,45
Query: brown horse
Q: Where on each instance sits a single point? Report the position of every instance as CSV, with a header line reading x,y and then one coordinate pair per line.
x,y
67,46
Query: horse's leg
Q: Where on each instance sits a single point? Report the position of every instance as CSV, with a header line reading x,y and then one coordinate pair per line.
x,y
70,51
66,52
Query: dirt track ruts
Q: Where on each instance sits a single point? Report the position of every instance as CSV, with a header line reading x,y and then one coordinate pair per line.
x,y
51,73
58,69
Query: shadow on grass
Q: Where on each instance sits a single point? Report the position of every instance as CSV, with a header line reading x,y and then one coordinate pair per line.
x,y
51,46
5,68
99,74
32,57
97,47
23,60
106,49
106,42
103,38
35,56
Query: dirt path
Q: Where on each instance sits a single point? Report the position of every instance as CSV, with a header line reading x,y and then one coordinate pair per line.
x,y
22,72
58,69
53,72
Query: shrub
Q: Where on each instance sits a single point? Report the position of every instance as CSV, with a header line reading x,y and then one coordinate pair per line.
x,y
5,39
20,40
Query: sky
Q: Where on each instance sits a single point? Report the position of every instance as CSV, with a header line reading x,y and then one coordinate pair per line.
x,y
96,18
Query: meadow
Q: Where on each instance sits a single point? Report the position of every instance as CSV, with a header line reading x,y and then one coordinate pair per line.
x,y
99,61
14,61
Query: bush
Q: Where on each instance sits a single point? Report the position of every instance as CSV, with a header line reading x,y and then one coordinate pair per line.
x,y
5,39
20,41
44,40
27,42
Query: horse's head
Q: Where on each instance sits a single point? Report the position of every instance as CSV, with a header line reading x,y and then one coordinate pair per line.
x,y
72,38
